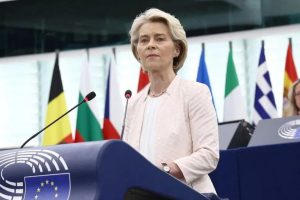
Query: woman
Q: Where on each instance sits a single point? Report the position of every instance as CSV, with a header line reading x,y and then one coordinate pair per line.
x,y
293,106
172,122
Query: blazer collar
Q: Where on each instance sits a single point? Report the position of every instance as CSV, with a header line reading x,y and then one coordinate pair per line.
x,y
172,87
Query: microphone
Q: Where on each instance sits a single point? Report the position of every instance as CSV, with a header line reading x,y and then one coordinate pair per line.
x,y
87,98
128,94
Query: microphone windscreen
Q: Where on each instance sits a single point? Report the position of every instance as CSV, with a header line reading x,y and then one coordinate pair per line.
x,y
128,94
89,96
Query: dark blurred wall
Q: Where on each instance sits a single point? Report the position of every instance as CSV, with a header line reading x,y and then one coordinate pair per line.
x,y
35,26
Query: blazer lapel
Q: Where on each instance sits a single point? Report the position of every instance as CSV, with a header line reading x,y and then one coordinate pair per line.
x,y
137,123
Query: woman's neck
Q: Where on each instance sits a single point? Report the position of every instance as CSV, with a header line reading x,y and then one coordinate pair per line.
x,y
159,82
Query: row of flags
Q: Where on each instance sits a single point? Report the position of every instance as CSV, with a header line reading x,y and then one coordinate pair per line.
x,y
264,102
88,127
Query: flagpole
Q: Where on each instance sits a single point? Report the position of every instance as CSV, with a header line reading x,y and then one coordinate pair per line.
x,y
88,54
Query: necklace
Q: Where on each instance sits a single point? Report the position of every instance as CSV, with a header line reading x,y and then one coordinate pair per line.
x,y
152,94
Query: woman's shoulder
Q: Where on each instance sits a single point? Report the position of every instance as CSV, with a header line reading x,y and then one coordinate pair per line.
x,y
193,87
195,92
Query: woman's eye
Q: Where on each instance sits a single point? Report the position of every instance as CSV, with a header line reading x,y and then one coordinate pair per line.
x,y
143,40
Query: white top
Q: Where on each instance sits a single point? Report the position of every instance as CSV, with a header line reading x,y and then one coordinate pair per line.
x,y
186,130
148,128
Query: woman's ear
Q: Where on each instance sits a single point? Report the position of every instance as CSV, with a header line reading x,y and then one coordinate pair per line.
x,y
177,50
137,56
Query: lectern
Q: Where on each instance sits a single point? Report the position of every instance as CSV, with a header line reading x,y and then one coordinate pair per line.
x,y
105,170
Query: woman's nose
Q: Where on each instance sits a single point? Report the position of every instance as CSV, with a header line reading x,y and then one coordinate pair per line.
x,y
151,44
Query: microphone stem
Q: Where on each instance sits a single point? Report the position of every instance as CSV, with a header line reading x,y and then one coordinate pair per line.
x,y
123,126
51,124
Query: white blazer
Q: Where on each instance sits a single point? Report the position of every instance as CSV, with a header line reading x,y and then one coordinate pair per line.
x,y
186,131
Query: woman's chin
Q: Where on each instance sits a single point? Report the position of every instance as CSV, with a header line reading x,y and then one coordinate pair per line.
x,y
153,67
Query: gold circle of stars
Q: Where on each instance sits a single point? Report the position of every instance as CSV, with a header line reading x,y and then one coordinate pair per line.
x,y
44,184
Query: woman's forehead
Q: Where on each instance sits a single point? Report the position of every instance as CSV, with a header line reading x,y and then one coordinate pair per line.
x,y
154,28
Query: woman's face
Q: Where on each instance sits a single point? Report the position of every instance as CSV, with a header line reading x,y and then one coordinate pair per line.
x,y
297,95
155,47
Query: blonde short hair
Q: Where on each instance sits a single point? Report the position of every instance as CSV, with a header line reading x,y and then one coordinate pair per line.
x,y
292,108
177,33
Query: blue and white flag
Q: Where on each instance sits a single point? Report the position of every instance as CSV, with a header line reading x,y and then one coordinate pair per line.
x,y
264,102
